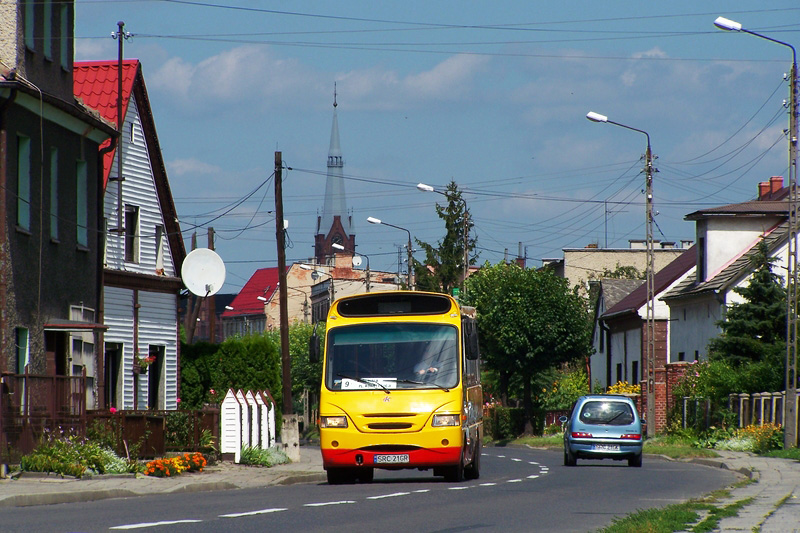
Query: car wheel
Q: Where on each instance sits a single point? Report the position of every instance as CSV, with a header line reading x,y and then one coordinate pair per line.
x,y
455,474
635,460
473,471
569,457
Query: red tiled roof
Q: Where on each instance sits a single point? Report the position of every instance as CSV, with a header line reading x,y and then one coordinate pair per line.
x,y
95,82
263,282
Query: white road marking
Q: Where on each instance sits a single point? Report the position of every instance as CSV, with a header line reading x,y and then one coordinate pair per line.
x,y
532,463
421,491
143,525
488,484
532,477
323,504
253,513
394,495
457,488
514,480
516,460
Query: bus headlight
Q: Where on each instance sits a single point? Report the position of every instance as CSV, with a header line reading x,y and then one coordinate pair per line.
x,y
333,422
446,420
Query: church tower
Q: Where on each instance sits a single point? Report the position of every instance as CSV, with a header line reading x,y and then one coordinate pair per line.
x,y
334,225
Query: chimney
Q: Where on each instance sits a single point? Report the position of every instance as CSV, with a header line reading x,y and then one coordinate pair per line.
x,y
775,184
763,189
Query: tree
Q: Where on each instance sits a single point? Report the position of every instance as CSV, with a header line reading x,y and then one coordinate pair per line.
x,y
443,267
754,330
528,321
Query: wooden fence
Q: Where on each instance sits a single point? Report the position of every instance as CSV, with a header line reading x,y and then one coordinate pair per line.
x,y
31,404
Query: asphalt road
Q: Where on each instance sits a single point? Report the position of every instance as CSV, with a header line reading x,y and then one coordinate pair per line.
x,y
519,490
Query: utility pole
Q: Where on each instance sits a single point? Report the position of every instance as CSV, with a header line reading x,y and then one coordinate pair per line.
x,y
211,302
651,341
289,432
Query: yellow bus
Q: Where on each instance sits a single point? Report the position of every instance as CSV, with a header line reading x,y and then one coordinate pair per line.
x,y
400,387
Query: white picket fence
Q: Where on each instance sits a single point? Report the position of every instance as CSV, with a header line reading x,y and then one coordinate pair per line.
x,y
246,419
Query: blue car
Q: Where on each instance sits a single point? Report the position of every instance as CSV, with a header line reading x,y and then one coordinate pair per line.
x,y
603,427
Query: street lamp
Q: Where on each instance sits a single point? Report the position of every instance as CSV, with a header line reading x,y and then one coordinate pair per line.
x,y
342,249
315,274
427,188
650,345
790,398
373,220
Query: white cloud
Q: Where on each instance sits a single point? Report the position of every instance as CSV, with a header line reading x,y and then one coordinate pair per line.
x,y
447,78
181,167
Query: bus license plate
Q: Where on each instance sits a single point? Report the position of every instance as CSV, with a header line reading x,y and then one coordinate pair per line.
x,y
393,458
606,447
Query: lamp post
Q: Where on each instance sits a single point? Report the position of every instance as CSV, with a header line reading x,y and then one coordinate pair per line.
x,y
427,188
650,345
790,398
373,220
342,249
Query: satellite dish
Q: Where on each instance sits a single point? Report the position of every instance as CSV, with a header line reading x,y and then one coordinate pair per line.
x,y
203,272
357,260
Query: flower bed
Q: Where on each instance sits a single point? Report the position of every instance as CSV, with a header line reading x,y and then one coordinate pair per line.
x,y
173,466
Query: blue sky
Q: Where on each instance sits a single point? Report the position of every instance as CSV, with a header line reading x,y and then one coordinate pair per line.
x,y
492,95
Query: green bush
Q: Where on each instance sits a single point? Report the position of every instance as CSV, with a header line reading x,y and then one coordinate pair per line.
x,y
262,457
504,423
72,455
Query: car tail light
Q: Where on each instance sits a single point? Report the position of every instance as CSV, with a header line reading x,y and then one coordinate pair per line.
x,y
634,436
581,435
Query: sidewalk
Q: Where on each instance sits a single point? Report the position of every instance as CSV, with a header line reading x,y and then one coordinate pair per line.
x,y
45,489
776,494
775,506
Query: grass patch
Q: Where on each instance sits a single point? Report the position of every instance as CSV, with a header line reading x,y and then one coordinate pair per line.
x,y
678,517
676,448
791,453
549,441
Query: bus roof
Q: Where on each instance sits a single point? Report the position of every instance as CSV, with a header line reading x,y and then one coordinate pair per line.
x,y
394,303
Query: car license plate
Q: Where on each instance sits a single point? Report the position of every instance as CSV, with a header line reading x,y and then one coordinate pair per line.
x,y
606,447
393,458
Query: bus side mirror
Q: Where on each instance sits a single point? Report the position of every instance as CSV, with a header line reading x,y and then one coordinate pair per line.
x,y
313,348
471,337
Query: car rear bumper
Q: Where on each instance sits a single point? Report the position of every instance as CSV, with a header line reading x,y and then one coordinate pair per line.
x,y
591,449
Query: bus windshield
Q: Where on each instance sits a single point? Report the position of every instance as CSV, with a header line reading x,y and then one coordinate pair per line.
x,y
392,356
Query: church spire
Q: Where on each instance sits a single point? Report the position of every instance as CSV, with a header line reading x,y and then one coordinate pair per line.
x,y
334,225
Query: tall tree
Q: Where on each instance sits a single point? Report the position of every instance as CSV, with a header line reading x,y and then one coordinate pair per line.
x,y
753,338
755,329
528,321
443,267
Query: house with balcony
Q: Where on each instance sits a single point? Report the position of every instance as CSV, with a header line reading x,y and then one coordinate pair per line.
x,y
143,250
51,227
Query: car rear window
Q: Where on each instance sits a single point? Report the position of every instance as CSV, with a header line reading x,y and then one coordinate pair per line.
x,y
606,413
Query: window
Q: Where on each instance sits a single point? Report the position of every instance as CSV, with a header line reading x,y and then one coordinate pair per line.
x,y
30,23
619,372
160,249
23,352
696,355
132,233
47,19
64,37
681,356
54,194
701,259
82,204
634,372
602,342
24,182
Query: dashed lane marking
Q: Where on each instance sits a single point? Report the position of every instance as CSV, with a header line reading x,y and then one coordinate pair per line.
x,y
323,504
393,495
254,513
143,525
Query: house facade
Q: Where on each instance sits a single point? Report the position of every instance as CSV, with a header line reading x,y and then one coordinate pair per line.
x,y
50,220
726,236
144,248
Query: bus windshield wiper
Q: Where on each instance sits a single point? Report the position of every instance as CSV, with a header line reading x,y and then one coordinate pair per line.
x,y
368,382
413,382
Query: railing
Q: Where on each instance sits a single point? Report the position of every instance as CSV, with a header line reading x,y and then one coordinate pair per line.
x,y
758,408
30,403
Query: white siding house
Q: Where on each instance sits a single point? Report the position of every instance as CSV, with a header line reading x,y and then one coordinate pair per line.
x,y
144,248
